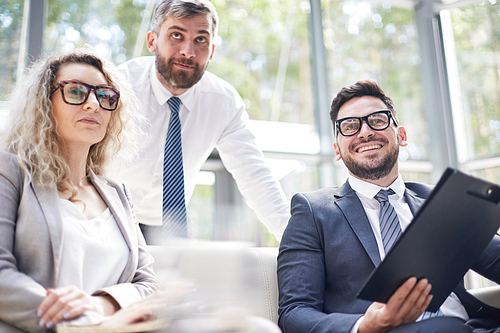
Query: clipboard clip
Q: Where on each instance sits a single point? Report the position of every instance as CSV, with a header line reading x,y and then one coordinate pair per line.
x,y
488,192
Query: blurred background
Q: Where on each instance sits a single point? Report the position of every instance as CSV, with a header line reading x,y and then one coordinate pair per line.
x,y
438,60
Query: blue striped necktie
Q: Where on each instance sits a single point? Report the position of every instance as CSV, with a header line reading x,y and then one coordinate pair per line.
x,y
391,230
174,207
389,222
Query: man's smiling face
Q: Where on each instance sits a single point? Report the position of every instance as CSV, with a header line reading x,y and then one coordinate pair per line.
x,y
369,154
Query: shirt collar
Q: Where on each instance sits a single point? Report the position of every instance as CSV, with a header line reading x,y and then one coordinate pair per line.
x,y
369,190
162,94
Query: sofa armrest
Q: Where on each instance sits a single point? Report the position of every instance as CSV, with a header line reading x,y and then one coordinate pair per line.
x,y
488,295
267,264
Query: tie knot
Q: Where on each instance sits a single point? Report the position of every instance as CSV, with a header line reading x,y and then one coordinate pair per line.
x,y
174,103
383,195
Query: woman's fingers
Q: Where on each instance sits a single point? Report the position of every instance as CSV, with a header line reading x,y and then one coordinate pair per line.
x,y
63,303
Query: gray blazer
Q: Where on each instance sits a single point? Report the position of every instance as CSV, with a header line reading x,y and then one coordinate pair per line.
x,y
31,239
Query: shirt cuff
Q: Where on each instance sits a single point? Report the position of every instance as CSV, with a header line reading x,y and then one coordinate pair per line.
x,y
88,318
354,328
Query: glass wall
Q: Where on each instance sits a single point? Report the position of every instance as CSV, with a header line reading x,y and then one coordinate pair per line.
x,y
271,72
472,45
476,96
111,27
11,24
264,50
367,39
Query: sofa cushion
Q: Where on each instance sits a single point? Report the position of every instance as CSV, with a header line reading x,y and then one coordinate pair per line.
x,y
226,274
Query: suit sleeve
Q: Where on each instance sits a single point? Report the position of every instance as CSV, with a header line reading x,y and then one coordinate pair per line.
x,y
301,276
488,264
20,294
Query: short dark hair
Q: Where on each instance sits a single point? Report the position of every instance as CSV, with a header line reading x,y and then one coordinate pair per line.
x,y
181,9
362,88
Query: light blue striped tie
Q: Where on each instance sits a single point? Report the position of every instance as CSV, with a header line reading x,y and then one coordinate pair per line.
x,y
389,222
174,207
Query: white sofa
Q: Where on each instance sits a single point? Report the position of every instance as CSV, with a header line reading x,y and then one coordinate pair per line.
x,y
243,274
229,273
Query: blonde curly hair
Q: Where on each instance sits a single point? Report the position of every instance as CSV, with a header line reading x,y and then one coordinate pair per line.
x,y
32,133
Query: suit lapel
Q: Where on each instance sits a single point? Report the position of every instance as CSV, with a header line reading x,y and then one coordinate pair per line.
x,y
353,210
48,199
115,205
413,200
357,219
110,196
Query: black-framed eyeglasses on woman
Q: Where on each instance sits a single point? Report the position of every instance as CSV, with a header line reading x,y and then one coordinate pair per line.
x,y
378,121
75,92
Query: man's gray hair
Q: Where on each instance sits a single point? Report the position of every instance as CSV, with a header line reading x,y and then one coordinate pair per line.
x,y
180,9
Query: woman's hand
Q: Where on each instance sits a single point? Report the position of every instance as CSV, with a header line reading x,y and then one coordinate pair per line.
x,y
136,312
69,302
144,309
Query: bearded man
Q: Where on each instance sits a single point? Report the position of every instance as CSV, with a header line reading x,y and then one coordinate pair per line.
x,y
211,115
338,235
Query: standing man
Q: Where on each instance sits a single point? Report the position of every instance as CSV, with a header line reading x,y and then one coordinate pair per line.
x,y
174,88
338,235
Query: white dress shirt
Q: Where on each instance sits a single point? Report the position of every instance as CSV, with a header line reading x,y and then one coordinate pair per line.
x,y
84,243
212,116
366,193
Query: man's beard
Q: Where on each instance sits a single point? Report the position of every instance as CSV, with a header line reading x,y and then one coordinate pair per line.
x,y
373,169
180,79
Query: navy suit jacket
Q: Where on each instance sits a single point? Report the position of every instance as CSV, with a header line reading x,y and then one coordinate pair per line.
x,y
327,252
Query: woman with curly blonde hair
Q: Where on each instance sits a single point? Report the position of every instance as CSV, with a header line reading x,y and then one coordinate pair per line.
x,y
33,136
71,251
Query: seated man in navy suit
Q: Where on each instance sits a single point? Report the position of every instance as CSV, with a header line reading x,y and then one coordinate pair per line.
x,y
338,235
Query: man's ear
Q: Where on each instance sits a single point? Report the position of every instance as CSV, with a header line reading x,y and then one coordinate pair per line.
x,y
337,151
212,53
402,137
151,41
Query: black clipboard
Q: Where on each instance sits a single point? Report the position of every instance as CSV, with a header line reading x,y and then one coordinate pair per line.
x,y
447,235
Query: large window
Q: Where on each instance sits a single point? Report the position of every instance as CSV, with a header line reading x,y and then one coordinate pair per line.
x,y
112,27
262,47
264,50
475,60
366,39
472,46
11,27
